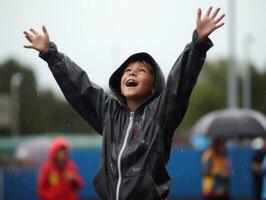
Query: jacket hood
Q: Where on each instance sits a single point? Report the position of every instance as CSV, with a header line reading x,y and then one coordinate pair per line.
x,y
58,143
114,81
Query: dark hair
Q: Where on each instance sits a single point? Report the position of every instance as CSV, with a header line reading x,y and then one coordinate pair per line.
x,y
217,142
145,63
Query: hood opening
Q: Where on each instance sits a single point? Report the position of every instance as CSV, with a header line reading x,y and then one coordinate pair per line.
x,y
57,144
114,81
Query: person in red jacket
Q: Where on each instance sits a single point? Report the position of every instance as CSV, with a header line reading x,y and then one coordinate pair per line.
x,y
59,178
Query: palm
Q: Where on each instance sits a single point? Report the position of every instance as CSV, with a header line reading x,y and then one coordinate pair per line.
x,y
209,23
39,42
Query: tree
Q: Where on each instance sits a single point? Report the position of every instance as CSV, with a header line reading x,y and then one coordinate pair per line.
x,y
40,111
258,89
27,92
210,92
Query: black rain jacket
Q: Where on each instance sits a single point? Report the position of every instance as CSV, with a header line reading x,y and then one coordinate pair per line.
x,y
136,146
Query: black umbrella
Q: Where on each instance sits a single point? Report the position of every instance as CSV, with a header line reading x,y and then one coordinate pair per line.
x,y
243,123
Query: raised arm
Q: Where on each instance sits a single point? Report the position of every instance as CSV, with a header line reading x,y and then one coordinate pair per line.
x,y
89,100
183,76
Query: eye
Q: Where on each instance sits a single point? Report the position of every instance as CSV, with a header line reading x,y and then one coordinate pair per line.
x,y
127,70
142,70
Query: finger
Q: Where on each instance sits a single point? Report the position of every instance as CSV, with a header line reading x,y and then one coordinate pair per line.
x,y
199,14
209,11
215,13
26,33
28,46
219,25
34,32
28,39
219,18
27,36
44,30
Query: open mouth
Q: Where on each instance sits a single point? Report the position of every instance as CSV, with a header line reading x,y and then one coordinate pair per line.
x,y
131,83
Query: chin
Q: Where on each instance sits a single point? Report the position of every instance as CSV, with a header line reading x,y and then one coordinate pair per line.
x,y
130,96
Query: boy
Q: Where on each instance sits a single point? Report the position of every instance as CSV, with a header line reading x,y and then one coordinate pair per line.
x,y
137,124
59,177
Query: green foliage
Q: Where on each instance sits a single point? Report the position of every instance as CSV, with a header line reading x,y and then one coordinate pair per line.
x,y
40,111
62,116
210,92
258,89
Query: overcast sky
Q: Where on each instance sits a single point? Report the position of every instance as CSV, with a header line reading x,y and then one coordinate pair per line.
x,y
100,34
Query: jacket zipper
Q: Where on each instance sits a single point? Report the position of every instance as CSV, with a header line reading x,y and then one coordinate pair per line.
x,y
121,153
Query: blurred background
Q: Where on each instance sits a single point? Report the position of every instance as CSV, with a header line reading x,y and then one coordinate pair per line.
x,y
99,36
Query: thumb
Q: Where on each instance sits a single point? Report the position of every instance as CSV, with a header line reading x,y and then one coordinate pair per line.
x,y
28,46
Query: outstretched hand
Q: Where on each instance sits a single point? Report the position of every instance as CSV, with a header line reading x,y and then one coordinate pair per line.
x,y
209,23
39,42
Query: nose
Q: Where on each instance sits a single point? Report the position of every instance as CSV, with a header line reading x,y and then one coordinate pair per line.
x,y
132,73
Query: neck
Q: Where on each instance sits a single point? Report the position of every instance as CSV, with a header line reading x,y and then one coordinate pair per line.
x,y
61,165
133,105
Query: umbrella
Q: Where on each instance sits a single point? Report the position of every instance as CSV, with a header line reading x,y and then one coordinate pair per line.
x,y
243,123
33,151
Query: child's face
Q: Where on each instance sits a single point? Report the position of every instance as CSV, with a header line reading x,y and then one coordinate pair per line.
x,y
137,81
62,156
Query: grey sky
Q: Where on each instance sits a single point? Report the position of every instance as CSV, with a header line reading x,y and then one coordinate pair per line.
x,y
100,34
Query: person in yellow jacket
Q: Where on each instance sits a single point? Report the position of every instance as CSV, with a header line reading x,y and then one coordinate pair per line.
x,y
216,171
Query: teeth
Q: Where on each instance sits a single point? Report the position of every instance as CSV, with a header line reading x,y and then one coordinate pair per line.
x,y
131,83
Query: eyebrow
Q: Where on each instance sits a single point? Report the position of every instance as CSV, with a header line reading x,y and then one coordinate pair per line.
x,y
144,64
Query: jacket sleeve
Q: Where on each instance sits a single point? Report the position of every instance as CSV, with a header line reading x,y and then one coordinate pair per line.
x,y
86,98
173,101
77,182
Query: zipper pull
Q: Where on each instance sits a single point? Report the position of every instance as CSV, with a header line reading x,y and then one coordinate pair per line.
x,y
131,115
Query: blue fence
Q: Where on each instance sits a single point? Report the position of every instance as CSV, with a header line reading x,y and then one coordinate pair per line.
x,y
184,169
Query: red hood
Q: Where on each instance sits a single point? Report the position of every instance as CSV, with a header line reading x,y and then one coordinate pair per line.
x,y
56,145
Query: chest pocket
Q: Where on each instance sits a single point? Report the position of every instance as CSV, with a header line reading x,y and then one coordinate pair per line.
x,y
138,143
137,137
140,137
